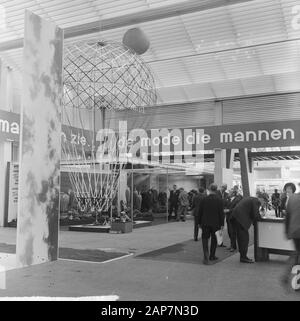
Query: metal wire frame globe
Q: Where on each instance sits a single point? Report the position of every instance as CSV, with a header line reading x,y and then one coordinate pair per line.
x,y
106,74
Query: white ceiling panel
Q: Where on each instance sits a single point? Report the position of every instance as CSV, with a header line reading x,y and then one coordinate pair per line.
x,y
242,49
193,92
204,68
120,7
258,85
259,23
172,95
239,63
171,73
287,82
279,58
210,30
291,10
168,37
228,88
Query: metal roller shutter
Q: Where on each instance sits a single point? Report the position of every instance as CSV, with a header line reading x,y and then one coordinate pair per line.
x,y
171,116
262,109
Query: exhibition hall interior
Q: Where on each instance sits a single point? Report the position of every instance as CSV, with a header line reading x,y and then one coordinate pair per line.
x,y
150,148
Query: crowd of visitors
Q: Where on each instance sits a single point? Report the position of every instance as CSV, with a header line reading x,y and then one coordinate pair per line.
x,y
213,208
217,206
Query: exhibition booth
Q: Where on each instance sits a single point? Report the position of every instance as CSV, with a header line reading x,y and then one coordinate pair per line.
x,y
103,155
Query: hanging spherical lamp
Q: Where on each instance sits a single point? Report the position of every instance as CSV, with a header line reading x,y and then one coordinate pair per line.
x,y
136,40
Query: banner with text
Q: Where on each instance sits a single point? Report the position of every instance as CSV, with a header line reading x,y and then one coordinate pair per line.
x,y
246,135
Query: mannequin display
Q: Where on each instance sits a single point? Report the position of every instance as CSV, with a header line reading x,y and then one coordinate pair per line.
x,y
146,200
154,199
128,196
135,198
139,201
150,200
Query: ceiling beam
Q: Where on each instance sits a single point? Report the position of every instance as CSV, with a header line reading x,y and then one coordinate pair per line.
x,y
280,154
134,18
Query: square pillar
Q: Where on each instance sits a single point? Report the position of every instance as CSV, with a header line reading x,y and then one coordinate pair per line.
x,y
40,143
223,172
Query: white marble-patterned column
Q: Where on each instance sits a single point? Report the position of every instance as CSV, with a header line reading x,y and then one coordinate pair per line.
x,y
38,208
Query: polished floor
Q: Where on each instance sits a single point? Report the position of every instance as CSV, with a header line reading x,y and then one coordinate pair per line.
x,y
134,278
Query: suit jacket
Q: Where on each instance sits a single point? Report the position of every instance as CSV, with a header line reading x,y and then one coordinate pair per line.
x,y
211,212
196,204
292,222
233,203
174,196
246,211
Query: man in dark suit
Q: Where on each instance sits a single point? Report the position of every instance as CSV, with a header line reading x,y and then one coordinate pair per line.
x,y
234,198
244,214
197,199
211,218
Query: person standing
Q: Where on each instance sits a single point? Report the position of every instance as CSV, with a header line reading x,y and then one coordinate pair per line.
x,y
224,197
292,229
183,200
234,198
71,199
211,218
244,214
197,199
275,198
173,202
289,189
222,192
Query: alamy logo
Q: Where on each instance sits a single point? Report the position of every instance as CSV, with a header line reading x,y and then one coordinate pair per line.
x,y
296,18
2,278
2,18
296,279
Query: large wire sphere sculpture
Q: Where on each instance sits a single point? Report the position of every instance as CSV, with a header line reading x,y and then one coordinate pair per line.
x,y
100,76
107,74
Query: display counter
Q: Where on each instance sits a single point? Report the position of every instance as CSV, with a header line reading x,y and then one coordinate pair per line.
x,y
270,238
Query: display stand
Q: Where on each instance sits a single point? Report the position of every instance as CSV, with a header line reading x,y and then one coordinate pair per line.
x,y
90,228
121,227
270,238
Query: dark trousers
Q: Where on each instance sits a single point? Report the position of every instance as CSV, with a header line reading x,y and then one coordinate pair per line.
x,y
277,211
242,238
208,232
297,254
196,227
231,233
173,207
295,257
